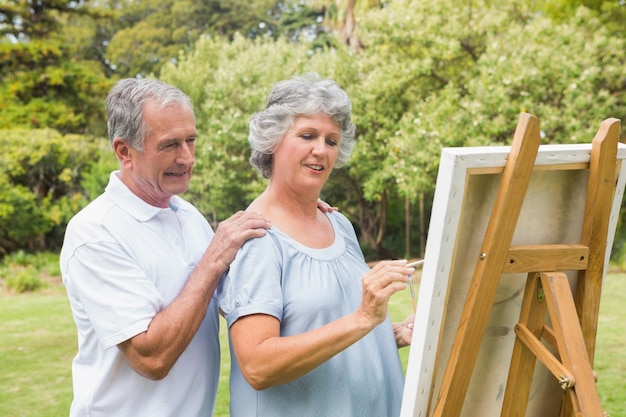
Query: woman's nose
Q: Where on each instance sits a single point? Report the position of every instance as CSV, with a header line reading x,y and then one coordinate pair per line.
x,y
319,145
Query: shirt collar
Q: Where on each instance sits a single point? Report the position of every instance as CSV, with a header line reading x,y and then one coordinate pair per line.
x,y
131,203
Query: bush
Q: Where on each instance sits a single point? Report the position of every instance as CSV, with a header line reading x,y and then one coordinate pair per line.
x,y
41,173
24,279
27,272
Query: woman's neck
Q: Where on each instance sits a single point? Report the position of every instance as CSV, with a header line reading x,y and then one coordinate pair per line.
x,y
289,202
298,217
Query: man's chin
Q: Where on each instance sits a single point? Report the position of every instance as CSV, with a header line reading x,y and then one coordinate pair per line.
x,y
178,187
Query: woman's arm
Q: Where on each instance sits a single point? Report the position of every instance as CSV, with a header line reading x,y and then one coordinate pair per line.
x,y
266,359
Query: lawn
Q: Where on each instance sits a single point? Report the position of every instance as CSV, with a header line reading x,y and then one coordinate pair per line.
x,y
39,341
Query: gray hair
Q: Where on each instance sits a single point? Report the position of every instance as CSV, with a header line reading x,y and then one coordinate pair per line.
x,y
125,107
303,95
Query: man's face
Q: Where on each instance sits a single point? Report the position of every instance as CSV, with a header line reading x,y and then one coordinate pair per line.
x,y
164,167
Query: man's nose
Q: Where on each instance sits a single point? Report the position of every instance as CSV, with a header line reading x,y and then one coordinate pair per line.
x,y
185,155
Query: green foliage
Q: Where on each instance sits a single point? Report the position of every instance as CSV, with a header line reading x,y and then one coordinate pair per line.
x,y
27,272
42,85
556,72
430,75
21,218
94,180
23,272
23,280
151,34
29,20
612,13
491,65
40,185
424,58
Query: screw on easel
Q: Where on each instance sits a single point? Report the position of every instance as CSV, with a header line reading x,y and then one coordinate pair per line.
x,y
483,256
565,382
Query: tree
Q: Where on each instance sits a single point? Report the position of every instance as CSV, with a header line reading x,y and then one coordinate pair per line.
x,y
428,74
243,72
569,75
25,20
40,185
162,29
401,63
449,68
41,84
341,17
611,13
431,74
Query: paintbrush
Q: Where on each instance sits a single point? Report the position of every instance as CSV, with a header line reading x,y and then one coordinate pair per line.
x,y
409,265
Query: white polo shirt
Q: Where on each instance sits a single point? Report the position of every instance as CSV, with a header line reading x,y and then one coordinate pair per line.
x,y
122,262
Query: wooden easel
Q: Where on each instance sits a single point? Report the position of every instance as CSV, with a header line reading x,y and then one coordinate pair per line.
x,y
574,316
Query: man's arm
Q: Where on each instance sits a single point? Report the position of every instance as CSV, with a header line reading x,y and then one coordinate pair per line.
x,y
153,353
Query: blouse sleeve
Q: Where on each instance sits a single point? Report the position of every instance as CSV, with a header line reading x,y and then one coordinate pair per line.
x,y
253,283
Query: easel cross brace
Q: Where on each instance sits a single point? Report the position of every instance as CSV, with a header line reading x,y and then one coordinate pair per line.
x,y
550,292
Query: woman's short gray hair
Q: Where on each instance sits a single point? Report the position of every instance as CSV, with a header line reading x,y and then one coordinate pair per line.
x,y
125,107
303,95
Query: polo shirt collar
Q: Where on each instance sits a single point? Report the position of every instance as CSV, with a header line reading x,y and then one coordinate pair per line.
x,y
129,201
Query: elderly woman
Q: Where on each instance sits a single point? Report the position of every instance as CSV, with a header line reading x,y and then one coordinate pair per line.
x,y
308,323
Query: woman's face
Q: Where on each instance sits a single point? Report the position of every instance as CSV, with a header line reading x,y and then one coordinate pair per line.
x,y
307,153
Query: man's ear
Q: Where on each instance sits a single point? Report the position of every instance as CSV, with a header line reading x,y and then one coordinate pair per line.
x,y
122,152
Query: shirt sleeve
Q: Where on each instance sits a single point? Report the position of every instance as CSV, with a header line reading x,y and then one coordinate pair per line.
x,y
253,283
115,295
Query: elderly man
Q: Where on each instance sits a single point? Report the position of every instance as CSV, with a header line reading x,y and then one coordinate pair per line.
x,y
140,266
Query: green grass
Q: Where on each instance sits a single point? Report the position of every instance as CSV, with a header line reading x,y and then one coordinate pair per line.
x,y
610,358
38,341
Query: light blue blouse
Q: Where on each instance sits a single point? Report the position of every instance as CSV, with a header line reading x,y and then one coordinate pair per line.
x,y
305,289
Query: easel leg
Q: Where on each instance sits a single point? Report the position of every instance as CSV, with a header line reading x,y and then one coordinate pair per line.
x,y
600,193
532,316
571,345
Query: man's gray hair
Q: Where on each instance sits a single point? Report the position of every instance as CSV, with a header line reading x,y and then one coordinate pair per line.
x,y
125,107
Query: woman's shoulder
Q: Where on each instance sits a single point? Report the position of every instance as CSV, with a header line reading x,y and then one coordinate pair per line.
x,y
340,219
